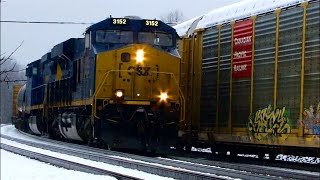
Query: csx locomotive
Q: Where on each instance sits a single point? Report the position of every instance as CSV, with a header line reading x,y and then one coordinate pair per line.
x,y
117,86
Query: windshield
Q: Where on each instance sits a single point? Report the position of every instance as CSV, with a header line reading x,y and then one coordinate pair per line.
x,y
155,38
114,36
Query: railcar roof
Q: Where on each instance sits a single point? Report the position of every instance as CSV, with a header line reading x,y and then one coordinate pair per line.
x,y
233,12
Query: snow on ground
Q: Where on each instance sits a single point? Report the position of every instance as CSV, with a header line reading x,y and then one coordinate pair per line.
x,y
11,131
14,167
182,169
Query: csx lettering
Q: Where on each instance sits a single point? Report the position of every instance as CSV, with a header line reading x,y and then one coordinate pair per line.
x,y
243,40
140,71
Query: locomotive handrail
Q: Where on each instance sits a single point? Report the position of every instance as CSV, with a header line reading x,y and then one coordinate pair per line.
x,y
96,92
106,74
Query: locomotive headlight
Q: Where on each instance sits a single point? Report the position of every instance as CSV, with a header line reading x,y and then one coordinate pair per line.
x,y
119,93
140,56
163,96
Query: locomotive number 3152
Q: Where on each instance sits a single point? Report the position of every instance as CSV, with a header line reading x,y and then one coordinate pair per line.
x,y
152,23
119,21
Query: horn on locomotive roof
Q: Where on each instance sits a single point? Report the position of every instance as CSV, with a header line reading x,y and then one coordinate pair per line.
x,y
133,17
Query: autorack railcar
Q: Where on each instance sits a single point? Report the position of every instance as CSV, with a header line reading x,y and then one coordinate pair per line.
x,y
256,78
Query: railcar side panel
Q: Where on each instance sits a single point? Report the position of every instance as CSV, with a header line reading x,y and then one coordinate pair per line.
x,y
209,79
224,83
311,95
280,105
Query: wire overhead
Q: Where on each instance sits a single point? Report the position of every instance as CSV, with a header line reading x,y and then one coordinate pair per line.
x,y
44,22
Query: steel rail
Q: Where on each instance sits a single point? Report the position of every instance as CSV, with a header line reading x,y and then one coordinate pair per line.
x,y
197,164
173,172
273,169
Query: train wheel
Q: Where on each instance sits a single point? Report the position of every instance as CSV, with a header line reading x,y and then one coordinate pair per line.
x,y
272,156
179,147
261,155
213,152
103,145
233,154
188,148
93,144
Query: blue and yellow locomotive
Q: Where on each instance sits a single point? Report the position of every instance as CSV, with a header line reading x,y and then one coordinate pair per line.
x,y
118,86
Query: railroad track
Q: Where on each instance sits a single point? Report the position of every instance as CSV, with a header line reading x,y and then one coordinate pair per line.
x,y
276,169
124,162
243,171
3,125
167,168
65,163
255,163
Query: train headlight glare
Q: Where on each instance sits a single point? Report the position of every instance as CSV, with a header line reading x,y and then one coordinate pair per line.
x,y
163,96
119,93
140,56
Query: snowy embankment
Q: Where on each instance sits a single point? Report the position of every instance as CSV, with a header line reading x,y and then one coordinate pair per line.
x,y
14,166
11,131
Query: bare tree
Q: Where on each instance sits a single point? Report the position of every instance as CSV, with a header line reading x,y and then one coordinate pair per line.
x,y
8,66
173,17
10,73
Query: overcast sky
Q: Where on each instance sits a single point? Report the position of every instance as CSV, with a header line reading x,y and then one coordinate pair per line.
x,y
40,38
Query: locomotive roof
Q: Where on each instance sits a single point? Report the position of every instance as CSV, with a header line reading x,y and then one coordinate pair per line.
x,y
34,63
132,25
233,12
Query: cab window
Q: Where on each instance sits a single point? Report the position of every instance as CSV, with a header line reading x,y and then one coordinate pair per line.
x,y
114,36
155,38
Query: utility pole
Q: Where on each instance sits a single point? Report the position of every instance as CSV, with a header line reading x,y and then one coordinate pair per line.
x,y
0,69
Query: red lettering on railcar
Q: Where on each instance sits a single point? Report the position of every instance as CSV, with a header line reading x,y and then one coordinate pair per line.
x,y
242,49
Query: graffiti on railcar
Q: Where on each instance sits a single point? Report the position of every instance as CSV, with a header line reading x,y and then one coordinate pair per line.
x,y
270,122
311,120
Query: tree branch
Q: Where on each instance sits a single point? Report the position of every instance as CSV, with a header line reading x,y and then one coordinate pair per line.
x,y
4,59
